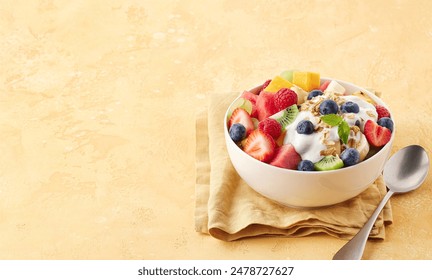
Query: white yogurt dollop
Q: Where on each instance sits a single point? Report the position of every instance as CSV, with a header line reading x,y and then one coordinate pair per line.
x,y
310,146
362,116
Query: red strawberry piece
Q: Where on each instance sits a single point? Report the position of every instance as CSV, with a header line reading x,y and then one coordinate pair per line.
x,y
324,86
376,135
265,105
240,115
286,157
382,111
260,146
284,98
266,83
271,127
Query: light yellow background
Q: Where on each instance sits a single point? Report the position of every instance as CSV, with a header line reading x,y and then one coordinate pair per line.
x,y
97,108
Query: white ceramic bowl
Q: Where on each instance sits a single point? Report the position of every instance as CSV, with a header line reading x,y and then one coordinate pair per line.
x,y
309,189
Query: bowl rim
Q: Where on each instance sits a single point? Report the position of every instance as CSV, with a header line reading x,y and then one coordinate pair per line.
x,y
373,96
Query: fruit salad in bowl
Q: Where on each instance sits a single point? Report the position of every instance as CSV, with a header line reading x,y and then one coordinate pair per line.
x,y
308,141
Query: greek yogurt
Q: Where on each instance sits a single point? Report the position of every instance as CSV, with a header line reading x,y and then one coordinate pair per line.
x,y
367,111
309,146
325,139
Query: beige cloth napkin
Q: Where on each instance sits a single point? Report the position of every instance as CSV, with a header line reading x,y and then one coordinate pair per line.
x,y
228,209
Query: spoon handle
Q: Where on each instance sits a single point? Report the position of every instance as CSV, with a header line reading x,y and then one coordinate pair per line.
x,y
353,250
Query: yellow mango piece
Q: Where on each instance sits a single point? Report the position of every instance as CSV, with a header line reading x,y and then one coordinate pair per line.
x,y
277,83
306,80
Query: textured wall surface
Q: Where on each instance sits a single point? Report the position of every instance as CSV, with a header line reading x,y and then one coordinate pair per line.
x,y
97,107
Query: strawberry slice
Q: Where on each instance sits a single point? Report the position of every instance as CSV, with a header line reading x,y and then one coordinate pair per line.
x,y
376,135
260,146
240,115
286,157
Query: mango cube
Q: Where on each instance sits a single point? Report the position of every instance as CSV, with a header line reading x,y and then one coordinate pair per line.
x,y
277,83
306,80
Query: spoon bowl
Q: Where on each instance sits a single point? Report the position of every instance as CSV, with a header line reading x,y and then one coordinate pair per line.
x,y
405,171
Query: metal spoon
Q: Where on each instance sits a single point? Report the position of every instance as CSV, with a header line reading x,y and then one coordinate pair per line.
x,y
405,171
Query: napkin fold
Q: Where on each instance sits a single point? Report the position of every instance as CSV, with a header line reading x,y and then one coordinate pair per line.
x,y
228,209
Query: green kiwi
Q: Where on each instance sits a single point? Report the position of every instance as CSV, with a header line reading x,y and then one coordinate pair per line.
x,y
329,163
287,116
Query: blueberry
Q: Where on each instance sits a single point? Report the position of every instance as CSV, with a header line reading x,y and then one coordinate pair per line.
x,y
386,122
237,132
306,165
350,107
328,107
314,93
305,127
350,156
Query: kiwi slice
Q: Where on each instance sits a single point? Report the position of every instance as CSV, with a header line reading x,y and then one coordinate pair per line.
x,y
240,103
329,163
286,116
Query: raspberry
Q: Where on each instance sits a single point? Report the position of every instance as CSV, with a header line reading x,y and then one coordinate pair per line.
x,y
284,98
382,111
271,127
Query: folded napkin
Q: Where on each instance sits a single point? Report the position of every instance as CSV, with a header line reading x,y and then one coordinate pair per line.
x,y
228,209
